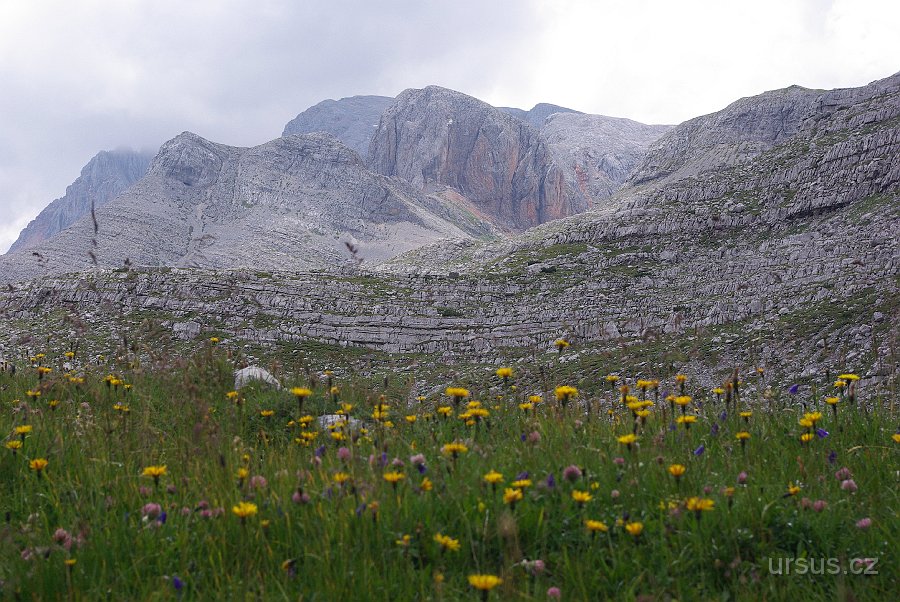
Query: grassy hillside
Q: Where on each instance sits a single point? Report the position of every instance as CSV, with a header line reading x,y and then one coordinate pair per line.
x,y
163,482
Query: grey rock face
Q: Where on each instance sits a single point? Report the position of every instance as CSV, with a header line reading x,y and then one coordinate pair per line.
x,y
351,120
597,153
105,176
291,203
436,138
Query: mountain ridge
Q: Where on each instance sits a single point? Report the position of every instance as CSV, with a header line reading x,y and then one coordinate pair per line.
x,y
105,176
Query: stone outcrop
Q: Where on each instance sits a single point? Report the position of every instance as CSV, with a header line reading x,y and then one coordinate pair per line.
x,y
436,138
105,176
351,120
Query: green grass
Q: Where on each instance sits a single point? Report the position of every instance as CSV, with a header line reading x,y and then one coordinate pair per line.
x,y
342,540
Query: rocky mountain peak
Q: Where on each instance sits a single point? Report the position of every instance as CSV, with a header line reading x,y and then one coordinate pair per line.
x,y
737,133
747,127
434,137
351,120
190,159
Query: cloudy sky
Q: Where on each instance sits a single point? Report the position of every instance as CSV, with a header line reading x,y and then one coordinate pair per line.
x,y
79,76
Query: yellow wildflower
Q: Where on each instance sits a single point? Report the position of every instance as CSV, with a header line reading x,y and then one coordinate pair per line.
x,y
447,543
484,583
634,529
457,393
595,525
677,470
38,465
565,392
511,496
581,497
696,504
244,510
493,477
628,439
454,449
393,477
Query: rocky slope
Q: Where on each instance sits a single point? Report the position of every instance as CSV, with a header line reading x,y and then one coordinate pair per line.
x,y
105,176
291,203
748,127
351,120
435,138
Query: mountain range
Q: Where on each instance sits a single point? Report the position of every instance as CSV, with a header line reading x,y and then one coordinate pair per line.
x,y
380,174
762,233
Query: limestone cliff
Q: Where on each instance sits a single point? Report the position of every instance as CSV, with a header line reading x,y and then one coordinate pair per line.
x,y
436,137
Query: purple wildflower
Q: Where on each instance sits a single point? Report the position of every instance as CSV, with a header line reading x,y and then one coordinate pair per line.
x,y
571,473
699,451
320,451
832,457
715,429
551,481
822,433
849,485
794,389
151,510
177,583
